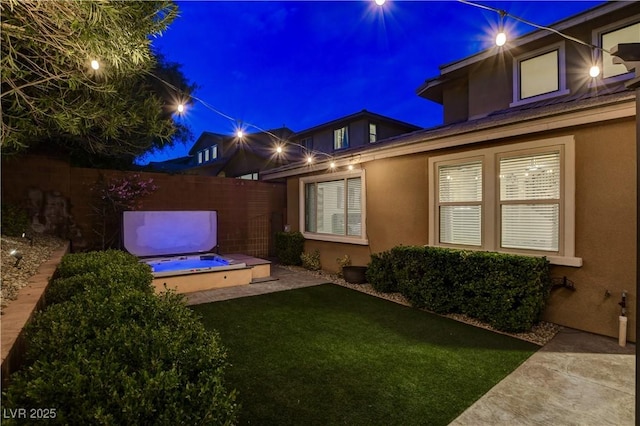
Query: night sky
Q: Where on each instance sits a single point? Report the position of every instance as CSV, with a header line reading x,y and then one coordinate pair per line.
x,y
303,63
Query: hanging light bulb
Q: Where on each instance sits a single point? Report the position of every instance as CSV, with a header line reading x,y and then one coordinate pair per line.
x,y
501,39
279,150
332,165
309,159
380,2
350,167
95,64
594,71
180,108
239,134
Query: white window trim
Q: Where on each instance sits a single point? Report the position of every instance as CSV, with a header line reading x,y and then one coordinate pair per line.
x,y
562,74
490,225
596,35
360,240
346,133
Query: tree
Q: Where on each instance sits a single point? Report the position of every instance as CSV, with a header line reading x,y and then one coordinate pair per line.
x,y
52,94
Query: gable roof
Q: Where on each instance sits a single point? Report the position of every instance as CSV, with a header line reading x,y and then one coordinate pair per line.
x,y
364,114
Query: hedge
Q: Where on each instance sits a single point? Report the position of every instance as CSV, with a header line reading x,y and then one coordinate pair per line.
x,y
119,354
507,291
289,247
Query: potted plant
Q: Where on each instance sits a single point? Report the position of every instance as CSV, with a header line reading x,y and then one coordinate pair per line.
x,y
351,274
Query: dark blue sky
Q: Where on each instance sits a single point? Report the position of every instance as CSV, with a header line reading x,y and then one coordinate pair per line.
x,y
303,63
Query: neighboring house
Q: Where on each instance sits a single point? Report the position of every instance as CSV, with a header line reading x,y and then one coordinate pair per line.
x,y
360,130
214,154
535,157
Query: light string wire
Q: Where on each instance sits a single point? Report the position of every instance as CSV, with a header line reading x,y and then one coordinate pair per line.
x,y
311,154
504,13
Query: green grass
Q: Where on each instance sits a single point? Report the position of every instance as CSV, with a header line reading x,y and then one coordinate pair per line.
x,y
327,355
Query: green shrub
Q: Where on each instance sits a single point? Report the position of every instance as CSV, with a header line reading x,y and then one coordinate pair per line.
x,y
507,291
15,220
80,263
289,247
311,261
380,273
78,272
129,357
342,262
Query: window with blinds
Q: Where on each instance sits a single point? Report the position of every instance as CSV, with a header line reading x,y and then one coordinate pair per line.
x,y
460,203
628,34
326,211
530,201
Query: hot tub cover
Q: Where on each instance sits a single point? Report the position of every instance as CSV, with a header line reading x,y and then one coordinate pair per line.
x,y
166,233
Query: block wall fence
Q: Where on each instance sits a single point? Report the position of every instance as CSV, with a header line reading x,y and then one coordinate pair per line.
x,y
249,212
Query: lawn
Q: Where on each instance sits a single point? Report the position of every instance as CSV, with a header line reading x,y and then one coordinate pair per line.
x,y
328,355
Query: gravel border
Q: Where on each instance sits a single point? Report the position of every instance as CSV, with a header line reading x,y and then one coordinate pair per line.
x,y
540,333
14,276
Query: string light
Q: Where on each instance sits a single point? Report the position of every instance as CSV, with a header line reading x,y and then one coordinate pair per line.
x,y
500,40
95,64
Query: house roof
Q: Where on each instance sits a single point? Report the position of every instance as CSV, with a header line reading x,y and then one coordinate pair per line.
x,y
364,114
205,140
432,87
528,117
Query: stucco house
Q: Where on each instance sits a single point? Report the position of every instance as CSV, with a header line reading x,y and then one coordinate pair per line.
x,y
534,157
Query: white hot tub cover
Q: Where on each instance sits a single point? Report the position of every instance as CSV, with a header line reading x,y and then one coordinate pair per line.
x,y
166,233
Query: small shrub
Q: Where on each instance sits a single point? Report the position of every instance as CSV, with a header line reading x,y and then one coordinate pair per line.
x,y
342,262
15,220
289,247
311,261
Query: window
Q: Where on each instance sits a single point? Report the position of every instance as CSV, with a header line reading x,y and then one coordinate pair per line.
x,y
333,207
341,138
249,176
530,201
206,155
539,75
373,132
214,152
460,203
518,199
200,157
607,37
307,143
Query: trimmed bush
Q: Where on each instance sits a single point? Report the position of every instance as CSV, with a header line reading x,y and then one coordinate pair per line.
x,y
80,271
129,358
114,352
289,247
79,263
15,220
507,291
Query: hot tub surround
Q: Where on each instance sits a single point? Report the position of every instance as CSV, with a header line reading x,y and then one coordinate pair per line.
x,y
178,247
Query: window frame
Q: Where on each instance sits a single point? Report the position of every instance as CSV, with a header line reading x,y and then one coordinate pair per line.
x,y
562,74
596,39
373,135
491,226
345,138
214,152
349,239
438,203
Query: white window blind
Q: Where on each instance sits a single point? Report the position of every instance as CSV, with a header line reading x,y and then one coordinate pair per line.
x,y
530,201
325,209
629,34
341,138
460,203
539,75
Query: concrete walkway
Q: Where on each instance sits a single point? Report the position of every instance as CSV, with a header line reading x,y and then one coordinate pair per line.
x,y
577,378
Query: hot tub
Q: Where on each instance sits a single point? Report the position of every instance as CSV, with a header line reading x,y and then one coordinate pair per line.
x,y
178,246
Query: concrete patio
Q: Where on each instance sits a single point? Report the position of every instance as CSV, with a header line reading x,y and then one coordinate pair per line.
x,y
577,378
